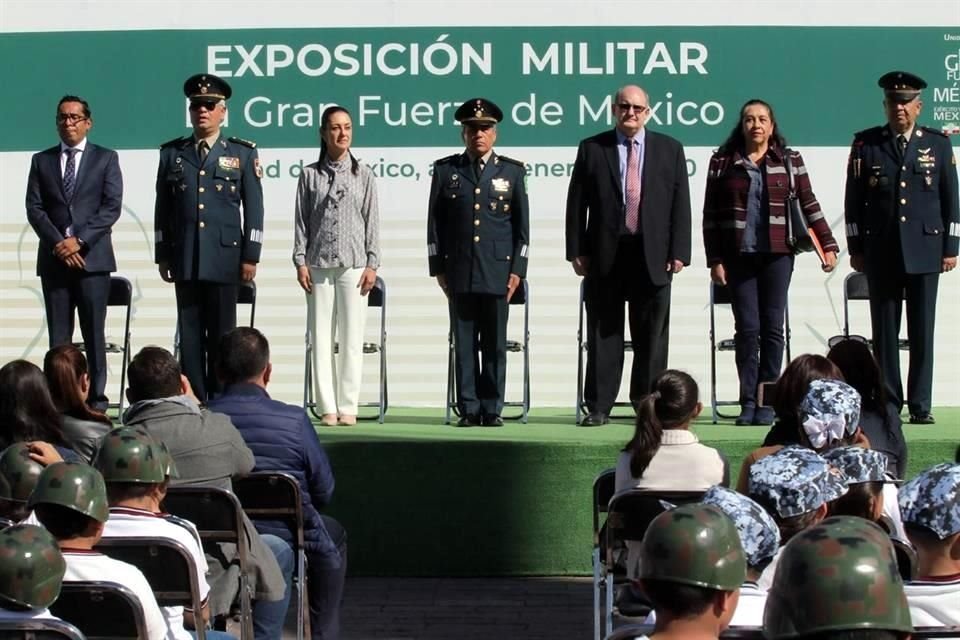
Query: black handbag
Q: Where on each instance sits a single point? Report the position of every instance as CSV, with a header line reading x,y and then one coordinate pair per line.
x,y
798,239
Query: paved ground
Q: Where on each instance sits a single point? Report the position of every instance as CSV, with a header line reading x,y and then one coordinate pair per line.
x,y
465,609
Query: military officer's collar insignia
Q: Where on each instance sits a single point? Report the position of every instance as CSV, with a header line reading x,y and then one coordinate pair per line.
x,y
179,159
227,162
223,143
500,184
919,133
455,177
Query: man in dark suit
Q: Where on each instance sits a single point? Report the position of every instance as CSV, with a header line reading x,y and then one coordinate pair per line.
x,y
203,243
74,196
478,230
627,233
903,230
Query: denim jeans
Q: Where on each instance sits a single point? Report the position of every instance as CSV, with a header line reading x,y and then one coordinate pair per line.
x,y
269,615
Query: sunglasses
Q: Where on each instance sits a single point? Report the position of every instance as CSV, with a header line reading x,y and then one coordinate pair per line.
x,y
209,106
626,106
70,117
835,340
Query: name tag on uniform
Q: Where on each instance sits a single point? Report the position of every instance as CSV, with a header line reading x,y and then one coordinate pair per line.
x,y
227,162
500,185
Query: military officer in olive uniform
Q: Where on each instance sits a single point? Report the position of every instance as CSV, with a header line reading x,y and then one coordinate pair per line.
x,y
203,243
903,230
478,231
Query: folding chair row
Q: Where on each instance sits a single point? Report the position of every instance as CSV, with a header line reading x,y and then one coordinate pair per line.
x,y
101,610
39,630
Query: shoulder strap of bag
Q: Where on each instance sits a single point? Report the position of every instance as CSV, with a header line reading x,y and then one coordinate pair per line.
x,y
789,168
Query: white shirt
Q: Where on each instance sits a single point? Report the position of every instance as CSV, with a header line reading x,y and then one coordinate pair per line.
x,y
766,578
37,614
125,522
891,509
80,148
83,565
934,603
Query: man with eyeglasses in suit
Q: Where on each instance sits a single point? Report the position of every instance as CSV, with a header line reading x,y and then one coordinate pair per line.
x,y
74,195
204,244
627,234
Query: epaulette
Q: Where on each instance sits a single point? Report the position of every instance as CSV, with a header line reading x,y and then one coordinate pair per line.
x,y
866,133
447,159
173,143
246,143
935,131
512,161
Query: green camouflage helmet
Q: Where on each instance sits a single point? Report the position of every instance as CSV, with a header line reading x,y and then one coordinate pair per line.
x,y
74,485
694,544
31,567
130,454
18,472
840,574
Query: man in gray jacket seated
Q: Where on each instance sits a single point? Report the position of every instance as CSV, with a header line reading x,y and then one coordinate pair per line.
x,y
208,451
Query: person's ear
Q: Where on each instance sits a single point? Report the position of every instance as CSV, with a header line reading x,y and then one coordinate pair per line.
x,y
267,373
84,384
697,411
821,513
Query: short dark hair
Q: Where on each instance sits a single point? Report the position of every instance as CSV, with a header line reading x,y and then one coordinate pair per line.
x,y
153,373
68,98
678,600
122,491
858,500
62,522
243,355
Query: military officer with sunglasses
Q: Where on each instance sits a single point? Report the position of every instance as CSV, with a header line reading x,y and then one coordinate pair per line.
x,y
208,226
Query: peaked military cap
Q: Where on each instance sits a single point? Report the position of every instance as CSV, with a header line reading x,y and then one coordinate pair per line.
x,y
901,85
478,110
206,87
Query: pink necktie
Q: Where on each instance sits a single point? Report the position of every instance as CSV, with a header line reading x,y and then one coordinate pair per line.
x,y
633,188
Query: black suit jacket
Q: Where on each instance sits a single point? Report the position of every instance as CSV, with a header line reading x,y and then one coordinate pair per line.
x,y
92,212
595,204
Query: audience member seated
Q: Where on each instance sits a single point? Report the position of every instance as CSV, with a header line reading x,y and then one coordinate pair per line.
x,y
31,571
18,476
879,418
27,412
835,582
283,439
137,469
871,492
65,368
208,450
796,486
760,539
692,566
71,503
930,504
664,455
790,390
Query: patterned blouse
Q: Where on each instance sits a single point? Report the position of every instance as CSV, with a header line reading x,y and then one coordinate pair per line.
x,y
337,216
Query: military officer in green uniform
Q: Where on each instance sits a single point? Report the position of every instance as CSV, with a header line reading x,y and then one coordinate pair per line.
x,y
903,230
478,231
204,244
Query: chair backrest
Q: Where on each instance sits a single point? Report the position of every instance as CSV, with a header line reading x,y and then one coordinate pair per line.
x,y
719,294
922,633
907,561
38,629
376,296
604,486
121,292
631,511
272,495
216,513
101,610
166,564
247,293
855,287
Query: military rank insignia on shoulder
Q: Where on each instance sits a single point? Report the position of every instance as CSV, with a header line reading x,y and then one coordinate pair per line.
x,y
934,131
512,161
447,159
246,143
173,143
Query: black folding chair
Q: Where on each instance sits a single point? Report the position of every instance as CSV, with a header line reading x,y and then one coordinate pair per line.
x,y
520,297
38,630
101,610
246,294
218,517
720,295
377,297
273,495
856,287
603,489
167,565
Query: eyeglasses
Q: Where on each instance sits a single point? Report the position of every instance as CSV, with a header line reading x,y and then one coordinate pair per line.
x,y
70,117
835,340
626,106
209,106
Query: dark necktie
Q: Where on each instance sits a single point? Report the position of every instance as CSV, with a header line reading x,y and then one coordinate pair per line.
x,y
202,149
70,173
902,144
478,168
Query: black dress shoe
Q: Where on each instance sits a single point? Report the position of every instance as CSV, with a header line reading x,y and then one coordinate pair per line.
x,y
469,420
492,421
922,418
746,416
595,419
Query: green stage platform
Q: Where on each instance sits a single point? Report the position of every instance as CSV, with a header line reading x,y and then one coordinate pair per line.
x,y
420,498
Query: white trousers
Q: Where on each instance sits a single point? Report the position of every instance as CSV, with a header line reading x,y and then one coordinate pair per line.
x,y
337,313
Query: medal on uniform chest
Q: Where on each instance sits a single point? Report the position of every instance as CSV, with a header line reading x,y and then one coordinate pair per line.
x,y
500,185
872,181
219,187
228,162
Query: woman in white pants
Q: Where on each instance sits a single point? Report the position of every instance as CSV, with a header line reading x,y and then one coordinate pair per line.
x,y
336,251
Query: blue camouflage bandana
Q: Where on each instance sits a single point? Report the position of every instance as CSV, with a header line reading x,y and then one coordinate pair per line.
x,y
858,464
794,481
829,412
932,500
759,534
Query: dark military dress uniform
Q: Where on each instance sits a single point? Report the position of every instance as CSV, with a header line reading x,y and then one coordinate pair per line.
x,y
201,233
477,236
901,210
